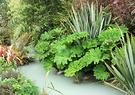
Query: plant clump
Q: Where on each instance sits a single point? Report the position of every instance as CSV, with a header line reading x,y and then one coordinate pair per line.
x,y
124,71
76,60
19,86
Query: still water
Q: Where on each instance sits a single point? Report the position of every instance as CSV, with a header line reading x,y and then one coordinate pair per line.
x,y
65,85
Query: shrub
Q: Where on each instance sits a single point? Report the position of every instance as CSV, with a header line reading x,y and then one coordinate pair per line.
x,y
14,55
6,66
122,13
20,86
34,18
6,59
11,81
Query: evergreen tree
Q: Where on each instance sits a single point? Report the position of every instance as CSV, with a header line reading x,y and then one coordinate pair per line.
x,y
35,15
37,12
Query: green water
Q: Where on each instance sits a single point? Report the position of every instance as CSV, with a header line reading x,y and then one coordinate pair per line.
x,y
66,85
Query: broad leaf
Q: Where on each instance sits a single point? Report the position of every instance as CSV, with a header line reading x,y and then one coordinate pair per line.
x,y
62,57
90,43
76,51
100,72
47,64
42,46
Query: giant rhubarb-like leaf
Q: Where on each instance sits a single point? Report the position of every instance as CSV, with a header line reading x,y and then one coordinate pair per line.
x,y
62,56
47,64
76,51
100,72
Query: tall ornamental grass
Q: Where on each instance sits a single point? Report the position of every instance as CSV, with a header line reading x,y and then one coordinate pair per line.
x,y
89,18
124,71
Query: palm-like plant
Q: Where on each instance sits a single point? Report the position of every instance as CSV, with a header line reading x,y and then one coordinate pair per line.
x,y
89,19
125,71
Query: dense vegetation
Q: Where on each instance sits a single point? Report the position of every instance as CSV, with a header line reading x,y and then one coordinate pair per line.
x,y
77,37
4,28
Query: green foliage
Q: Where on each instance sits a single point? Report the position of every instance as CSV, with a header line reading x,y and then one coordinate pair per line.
x,y
59,47
21,86
106,35
11,83
80,74
109,37
42,46
76,51
48,64
36,12
73,68
3,13
125,70
6,66
34,17
4,28
115,53
73,58
94,55
75,36
5,36
90,43
124,28
100,72
46,46
62,56
97,51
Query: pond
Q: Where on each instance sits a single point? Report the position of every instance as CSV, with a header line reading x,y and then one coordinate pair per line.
x,y
65,85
